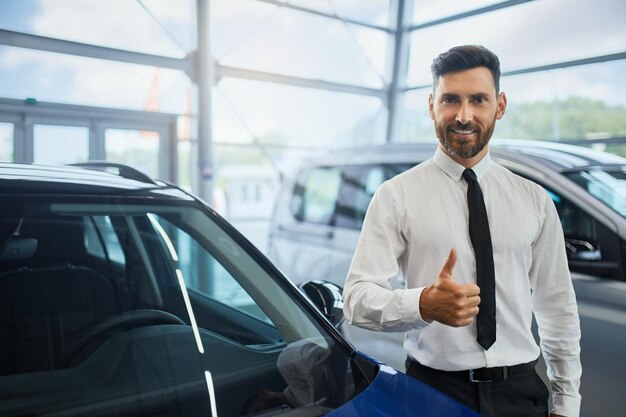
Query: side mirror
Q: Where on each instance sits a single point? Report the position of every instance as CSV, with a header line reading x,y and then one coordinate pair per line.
x,y
327,297
582,250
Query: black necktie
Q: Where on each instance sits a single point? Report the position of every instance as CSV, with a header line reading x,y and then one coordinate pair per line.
x,y
485,276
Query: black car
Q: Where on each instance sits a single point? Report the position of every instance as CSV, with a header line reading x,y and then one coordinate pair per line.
x,y
125,296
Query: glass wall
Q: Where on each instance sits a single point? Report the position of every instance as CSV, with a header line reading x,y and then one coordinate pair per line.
x,y
60,144
137,148
300,76
568,102
149,26
7,141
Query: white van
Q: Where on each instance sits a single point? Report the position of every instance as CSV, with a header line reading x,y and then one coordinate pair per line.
x,y
321,207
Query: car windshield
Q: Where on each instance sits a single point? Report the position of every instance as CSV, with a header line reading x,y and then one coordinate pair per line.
x,y
607,185
131,307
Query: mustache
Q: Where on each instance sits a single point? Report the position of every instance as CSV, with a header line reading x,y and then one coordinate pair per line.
x,y
463,126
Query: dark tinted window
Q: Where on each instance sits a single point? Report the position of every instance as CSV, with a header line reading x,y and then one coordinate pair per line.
x,y
168,315
591,247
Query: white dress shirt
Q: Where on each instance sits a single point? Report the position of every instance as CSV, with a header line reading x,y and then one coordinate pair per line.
x,y
412,223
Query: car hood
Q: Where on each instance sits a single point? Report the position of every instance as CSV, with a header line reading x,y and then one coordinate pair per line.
x,y
394,394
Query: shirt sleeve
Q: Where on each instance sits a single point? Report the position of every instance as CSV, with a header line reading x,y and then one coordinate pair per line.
x,y
556,312
369,300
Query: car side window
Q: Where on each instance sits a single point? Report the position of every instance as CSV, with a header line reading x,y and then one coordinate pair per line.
x,y
339,196
591,247
315,195
358,185
574,221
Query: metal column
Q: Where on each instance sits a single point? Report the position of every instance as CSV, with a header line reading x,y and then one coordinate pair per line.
x,y
400,16
204,71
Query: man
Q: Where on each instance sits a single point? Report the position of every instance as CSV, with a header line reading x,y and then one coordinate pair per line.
x,y
468,333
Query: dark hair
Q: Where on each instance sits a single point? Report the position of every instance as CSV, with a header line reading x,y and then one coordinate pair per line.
x,y
466,57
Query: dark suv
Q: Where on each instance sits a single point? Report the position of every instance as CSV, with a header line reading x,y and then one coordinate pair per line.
x,y
121,295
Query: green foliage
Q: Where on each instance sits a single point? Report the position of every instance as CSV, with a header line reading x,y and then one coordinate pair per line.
x,y
571,118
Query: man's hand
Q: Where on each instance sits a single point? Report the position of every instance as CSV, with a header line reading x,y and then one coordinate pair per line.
x,y
446,301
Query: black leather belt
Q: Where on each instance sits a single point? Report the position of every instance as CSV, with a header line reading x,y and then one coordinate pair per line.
x,y
495,374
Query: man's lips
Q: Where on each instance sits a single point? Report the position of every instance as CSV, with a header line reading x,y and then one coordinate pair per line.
x,y
463,132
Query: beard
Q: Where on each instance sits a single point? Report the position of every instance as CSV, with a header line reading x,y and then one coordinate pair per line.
x,y
463,148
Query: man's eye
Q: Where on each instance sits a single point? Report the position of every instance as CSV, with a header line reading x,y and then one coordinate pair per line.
x,y
448,100
480,99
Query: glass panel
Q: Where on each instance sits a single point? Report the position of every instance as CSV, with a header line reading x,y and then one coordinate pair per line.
x,y
177,19
7,142
101,239
123,24
75,80
586,102
137,148
575,222
608,186
233,21
416,124
173,342
358,185
60,144
284,115
372,11
316,194
429,10
299,44
223,288
527,35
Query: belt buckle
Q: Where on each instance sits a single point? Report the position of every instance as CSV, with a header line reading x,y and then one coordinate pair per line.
x,y
505,375
471,377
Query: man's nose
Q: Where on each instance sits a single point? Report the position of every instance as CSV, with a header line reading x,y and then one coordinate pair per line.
x,y
464,115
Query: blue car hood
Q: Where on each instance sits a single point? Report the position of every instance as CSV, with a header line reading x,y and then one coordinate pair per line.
x,y
394,394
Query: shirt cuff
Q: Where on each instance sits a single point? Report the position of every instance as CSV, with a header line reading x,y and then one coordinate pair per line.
x,y
565,405
411,306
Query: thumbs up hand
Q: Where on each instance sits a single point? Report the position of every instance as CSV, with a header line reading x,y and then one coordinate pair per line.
x,y
446,301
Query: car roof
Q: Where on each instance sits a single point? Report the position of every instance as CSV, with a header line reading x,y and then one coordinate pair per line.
x,y
42,179
555,156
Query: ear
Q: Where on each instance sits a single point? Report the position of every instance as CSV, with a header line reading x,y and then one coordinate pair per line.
x,y
501,106
431,106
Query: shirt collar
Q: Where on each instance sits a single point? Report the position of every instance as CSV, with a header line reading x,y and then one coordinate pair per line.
x,y
455,170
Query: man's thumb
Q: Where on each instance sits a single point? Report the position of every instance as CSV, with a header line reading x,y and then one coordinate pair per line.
x,y
448,267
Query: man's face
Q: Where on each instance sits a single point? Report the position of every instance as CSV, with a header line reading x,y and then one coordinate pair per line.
x,y
465,108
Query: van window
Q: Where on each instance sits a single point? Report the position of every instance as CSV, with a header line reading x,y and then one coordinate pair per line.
x,y
315,195
339,196
358,185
